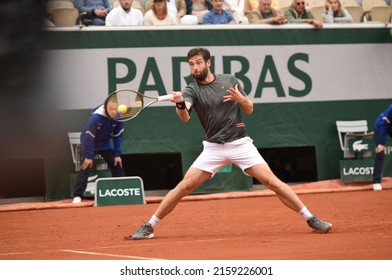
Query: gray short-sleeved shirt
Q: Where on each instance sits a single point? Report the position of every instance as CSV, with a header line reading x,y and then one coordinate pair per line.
x,y
221,121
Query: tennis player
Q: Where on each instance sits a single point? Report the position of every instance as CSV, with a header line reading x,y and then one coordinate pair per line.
x,y
218,101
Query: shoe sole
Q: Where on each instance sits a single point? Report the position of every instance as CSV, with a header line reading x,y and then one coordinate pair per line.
x,y
319,231
139,238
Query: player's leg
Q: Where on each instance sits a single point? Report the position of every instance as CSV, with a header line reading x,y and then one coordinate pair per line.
x,y
193,178
252,163
264,175
202,169
247,157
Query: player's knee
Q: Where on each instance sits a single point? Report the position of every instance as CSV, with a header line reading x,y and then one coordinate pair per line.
x,y
184,187
273,183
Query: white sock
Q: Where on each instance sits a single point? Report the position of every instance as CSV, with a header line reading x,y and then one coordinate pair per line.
x,y
304,212
154,220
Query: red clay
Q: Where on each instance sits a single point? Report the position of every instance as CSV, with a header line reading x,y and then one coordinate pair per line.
x,y
258,227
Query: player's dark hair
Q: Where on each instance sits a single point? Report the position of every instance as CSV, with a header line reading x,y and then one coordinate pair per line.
x,y
199,51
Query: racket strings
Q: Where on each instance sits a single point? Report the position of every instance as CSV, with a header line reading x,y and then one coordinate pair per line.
x,y
133,102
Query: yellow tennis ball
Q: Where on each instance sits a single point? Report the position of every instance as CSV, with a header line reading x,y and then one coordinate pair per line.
x,y
122,108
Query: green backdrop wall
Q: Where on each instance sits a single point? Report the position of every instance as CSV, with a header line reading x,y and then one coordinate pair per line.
x,y
301,81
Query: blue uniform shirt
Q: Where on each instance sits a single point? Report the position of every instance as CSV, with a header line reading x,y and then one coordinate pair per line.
x,y
101,133
384,125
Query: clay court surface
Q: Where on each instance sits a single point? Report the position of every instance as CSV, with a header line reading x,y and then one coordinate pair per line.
x,y
248,227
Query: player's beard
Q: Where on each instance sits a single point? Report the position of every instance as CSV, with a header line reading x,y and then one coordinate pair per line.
x,y
201,76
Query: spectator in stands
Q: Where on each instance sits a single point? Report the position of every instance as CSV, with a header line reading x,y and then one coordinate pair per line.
x,y
124,15
96,10
335,13
297,13
236,7
218,15
382,128
249,5
179,9
101,135
199,8
158,14
266,14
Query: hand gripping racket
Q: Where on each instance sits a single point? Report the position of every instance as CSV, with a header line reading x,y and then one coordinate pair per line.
x,y
130,103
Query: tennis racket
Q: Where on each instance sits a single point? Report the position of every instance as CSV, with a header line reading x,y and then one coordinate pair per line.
x,y
130,104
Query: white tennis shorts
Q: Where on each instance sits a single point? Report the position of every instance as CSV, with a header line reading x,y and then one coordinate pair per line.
x,y
240,152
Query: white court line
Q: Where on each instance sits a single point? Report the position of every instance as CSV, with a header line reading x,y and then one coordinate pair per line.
x,y
20,253
138,257
109,255
134,243
140,243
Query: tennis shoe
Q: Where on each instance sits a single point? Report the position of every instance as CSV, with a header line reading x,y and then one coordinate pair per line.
x,y
318,226
77,200
144,232
377,187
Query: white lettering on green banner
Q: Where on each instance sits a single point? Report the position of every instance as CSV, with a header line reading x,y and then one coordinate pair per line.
x,y
119,191
356,170
268,74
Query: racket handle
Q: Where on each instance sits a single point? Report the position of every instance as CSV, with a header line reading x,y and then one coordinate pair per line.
x,y
165,97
